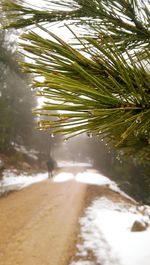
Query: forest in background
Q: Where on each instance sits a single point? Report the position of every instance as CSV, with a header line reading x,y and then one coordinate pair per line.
x,y
17,123
18,129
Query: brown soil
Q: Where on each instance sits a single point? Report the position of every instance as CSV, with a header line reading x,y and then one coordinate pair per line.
x,y
38,225
94,191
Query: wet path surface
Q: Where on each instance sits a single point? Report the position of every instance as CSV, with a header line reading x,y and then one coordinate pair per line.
x,y
38,224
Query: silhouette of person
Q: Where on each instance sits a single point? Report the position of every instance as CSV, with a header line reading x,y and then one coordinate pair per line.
x,y
50,167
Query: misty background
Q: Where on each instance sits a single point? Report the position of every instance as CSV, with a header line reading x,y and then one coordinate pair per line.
x,y
24,147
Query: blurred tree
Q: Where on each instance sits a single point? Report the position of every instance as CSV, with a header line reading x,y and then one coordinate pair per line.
x,y
130,177
16,99
17,124
5,118
100,87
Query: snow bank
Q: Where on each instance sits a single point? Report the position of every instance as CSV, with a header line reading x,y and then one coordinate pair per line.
x,y
91,176
11,181
63,176
106,231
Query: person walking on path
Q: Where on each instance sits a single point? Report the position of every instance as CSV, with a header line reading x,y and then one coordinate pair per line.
x,y
50,167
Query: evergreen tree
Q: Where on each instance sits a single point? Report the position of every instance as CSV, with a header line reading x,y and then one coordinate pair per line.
x,y
16,100
100,86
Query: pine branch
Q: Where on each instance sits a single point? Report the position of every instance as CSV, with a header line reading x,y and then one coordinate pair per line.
x,y
103,95
106,91
126,21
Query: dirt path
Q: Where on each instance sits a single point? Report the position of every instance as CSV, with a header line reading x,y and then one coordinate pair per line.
x,y
38,224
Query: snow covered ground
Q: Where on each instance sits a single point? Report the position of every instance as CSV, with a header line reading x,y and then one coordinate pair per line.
x,y
12,182
106,232
73,164
106,226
